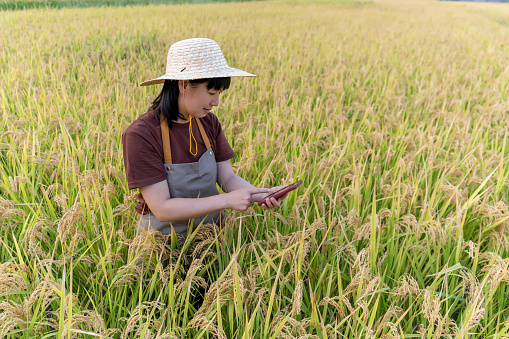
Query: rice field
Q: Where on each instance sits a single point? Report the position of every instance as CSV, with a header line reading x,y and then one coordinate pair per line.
x,y
394,113
29,4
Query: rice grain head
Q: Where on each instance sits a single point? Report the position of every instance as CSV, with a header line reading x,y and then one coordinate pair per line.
x,y
200,322
297,298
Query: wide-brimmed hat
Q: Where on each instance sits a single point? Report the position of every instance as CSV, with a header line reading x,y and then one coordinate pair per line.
x,y
198,58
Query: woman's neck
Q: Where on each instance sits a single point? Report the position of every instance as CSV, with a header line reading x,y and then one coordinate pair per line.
x,y
182,112
182,121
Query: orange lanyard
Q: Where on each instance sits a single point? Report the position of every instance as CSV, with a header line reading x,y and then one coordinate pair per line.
x,y
191,136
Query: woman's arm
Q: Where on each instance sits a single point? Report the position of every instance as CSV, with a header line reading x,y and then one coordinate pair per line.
x,y
165,208
229,182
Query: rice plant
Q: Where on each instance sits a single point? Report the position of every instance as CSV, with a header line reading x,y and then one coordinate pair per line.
x,y
393,113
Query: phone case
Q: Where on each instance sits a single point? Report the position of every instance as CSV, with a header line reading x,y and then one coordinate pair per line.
x,y
281,192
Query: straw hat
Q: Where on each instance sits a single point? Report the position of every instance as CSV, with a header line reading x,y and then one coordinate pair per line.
x,y
196,59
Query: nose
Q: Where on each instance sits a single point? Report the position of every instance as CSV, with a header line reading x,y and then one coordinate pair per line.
x,y
215,100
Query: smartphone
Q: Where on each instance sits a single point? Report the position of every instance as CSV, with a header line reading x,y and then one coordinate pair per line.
x,y
281,192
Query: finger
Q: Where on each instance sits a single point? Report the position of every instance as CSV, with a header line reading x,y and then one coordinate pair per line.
x,y
254,198
277,188
281,198
257,190
275,202
269,203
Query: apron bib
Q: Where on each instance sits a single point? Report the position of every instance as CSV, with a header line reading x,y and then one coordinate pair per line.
x,y
189,180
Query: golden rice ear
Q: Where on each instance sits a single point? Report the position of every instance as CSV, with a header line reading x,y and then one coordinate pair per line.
x,y
407,285
37,235
8,209
471,285
201,322
127,205
297,298
191,277
141,315
69,229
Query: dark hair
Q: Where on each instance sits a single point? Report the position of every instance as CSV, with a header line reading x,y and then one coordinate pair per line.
x,y
166,103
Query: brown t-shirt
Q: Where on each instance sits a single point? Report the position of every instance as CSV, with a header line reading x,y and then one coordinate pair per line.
x,y
143,149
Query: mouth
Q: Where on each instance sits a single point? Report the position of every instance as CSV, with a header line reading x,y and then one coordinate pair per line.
x,y
206,110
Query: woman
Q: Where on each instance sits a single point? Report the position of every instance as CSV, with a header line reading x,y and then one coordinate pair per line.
x,y
176,152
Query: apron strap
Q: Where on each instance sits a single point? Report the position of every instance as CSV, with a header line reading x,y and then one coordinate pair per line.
x,y
165,131
203,134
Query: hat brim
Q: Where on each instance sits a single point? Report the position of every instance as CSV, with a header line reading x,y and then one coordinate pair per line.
x,y
222,73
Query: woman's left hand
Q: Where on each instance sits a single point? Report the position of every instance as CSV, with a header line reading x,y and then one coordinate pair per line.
x,y
273,202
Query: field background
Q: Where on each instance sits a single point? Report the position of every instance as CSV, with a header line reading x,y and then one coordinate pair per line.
x,y
393,113
29,4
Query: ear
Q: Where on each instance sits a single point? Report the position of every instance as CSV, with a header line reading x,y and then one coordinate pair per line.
x,y
182,85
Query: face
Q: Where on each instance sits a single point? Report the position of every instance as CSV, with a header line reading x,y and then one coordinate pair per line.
x,y
199,101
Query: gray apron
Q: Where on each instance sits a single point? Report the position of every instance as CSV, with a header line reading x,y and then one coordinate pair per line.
x,y
189,180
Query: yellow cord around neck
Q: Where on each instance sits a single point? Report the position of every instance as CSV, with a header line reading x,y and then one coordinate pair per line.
x,y
191,136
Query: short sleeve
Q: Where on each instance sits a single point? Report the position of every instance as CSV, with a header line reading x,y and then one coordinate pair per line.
x,y
142,160
223,149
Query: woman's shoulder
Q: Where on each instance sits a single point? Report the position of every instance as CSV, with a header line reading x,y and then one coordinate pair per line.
x,y
211,121
147,123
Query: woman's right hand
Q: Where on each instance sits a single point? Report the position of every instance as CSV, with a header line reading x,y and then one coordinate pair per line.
x,y
241,199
